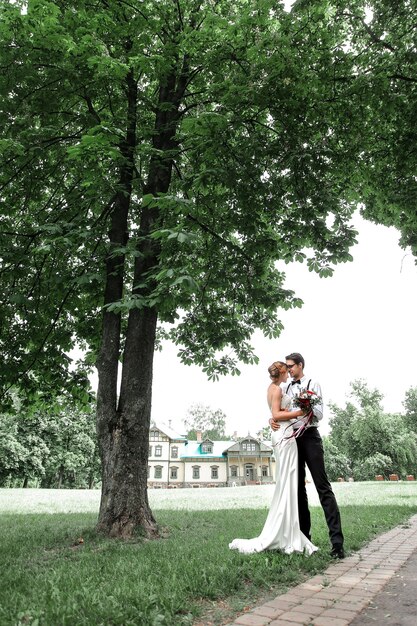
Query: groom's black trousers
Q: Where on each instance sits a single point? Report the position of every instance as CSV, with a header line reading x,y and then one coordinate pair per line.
x,y
310,453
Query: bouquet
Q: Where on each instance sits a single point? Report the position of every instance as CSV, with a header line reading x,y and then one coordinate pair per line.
x,y
305,401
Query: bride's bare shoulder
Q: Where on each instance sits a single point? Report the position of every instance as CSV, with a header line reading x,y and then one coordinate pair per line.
x,y
274,390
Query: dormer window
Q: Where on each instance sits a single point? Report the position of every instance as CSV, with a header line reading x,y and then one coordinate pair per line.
x,y
207,447
154,435
157,435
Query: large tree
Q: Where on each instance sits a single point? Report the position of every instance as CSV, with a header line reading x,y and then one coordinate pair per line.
x,y
159,159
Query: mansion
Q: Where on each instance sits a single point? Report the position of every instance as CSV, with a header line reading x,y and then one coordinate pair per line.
x,y
175,461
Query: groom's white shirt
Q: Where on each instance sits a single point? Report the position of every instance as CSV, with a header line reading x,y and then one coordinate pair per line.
x,y
294,390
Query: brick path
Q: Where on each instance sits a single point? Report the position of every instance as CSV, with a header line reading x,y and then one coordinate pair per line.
x,y
337,596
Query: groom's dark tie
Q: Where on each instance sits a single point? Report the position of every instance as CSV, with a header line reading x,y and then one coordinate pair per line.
x,y
295,382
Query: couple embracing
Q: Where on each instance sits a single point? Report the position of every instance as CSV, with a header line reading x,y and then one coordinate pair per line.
x,y
296,443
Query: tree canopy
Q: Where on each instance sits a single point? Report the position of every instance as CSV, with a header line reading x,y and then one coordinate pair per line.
x,y
255,174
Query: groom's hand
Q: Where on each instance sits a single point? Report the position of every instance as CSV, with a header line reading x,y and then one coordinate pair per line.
x,y
274,424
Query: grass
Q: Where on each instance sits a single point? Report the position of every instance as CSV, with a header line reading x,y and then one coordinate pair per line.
x,y
50,578
84,501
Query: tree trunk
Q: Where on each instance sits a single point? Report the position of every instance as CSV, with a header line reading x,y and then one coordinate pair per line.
x,y
124,424
109,418
124,502
60,477
91,478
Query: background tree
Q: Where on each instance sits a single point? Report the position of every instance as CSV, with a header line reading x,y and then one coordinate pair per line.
x,y
265,434
343,422
73,451
338,464
373,441
377,464
410,406
211,423
12,452
31,433
51,445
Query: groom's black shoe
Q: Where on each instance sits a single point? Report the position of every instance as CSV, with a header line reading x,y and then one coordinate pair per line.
x,y
337,551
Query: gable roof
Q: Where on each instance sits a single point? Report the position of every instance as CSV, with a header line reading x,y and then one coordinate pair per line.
x,y
265,446
168,431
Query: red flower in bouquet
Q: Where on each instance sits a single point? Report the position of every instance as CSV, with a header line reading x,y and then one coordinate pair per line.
x,y
305,401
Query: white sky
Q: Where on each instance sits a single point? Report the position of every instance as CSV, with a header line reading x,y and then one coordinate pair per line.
x,y
360,323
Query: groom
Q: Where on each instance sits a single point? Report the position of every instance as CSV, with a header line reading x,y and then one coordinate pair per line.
x,y
310,453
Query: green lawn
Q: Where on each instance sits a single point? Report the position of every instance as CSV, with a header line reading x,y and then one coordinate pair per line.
x,y
50,578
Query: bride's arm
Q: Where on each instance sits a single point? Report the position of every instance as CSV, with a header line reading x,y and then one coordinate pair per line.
x,y
277,413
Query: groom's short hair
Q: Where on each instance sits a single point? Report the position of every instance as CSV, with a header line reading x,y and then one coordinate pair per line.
x,y
296,357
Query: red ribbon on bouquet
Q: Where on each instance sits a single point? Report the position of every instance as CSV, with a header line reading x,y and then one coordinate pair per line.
x,y
305,401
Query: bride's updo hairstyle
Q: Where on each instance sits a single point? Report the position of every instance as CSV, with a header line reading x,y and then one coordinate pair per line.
x,y
277,368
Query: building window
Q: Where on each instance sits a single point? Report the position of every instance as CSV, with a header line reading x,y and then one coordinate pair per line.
x,y
158,450
158,471
264,471
233,471
154,434
214,471
174,452
196,472
150,450
249,446
174,473
207,447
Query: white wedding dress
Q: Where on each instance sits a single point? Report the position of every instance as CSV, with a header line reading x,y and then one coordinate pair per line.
x,y
282,528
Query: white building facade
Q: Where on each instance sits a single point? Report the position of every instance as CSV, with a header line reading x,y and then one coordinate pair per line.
x,y
176,462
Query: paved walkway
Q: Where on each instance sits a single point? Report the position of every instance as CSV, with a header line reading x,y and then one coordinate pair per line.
x,y
349,588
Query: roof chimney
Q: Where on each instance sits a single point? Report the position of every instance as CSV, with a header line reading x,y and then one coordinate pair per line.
x,y
199,436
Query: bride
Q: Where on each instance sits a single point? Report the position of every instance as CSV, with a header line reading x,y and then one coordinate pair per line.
x,y
282,529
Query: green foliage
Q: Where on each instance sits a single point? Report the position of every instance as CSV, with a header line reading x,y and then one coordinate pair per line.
x,y
12,452
51,445
73,459
211,423
410,406
255,172
337,464
373,441
377,464
382,98
265,434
